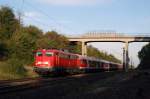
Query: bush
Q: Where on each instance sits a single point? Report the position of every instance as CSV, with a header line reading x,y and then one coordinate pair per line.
x,y
12,69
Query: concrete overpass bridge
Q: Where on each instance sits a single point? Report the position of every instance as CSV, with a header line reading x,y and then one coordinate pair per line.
x,y
110,37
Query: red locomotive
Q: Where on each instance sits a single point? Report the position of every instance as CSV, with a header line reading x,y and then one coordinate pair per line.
x,y
57,61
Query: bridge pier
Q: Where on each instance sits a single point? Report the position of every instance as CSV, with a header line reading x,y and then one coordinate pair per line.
x,y
84,48
126,56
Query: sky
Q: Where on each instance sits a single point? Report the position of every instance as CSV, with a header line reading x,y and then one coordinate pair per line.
x,y
74,17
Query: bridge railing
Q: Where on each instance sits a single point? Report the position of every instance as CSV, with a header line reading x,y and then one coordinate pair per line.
x,y
109,34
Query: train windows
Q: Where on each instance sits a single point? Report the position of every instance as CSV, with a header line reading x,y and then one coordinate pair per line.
x,y
38,53
49,54
93,63
61,55
73,57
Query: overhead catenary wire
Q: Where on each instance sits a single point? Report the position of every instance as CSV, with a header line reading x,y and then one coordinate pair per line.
x,y
39,22
19,11
48,16
21,17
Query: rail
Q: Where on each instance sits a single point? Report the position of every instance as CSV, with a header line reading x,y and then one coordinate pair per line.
x,y
9,86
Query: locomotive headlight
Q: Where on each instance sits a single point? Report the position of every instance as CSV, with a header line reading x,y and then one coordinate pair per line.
x,y
81,67
45,62
38,63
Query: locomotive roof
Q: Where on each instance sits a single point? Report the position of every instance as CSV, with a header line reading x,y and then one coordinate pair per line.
x,y
91,58
55,50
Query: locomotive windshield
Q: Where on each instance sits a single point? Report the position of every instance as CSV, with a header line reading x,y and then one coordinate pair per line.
x,y
38,53
49,54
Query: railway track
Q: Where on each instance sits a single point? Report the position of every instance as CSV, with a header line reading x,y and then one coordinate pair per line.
x,y
13,86
8,86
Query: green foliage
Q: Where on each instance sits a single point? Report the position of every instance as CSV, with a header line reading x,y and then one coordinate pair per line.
x,y
8,23
53,40
22,47
94,52
23,44
144,56
75,47
33,31
16,66
12,69
3,51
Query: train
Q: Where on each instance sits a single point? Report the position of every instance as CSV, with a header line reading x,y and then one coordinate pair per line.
x,y
54,61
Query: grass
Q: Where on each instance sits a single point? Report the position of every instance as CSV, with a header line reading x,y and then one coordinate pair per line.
x,y
14,69
30,72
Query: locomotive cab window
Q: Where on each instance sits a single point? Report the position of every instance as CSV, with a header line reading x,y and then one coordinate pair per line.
x,y
38,53
49,54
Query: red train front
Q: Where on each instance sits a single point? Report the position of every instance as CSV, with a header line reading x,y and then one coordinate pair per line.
x,y
50,61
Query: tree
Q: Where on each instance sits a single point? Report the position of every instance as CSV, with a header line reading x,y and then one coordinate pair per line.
x,y
3,51
75,47
94,52
23,43
144,56
8,23
22,47
34,31
91,51
53,40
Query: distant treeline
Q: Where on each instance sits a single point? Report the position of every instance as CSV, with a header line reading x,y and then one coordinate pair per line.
x,y
17,43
